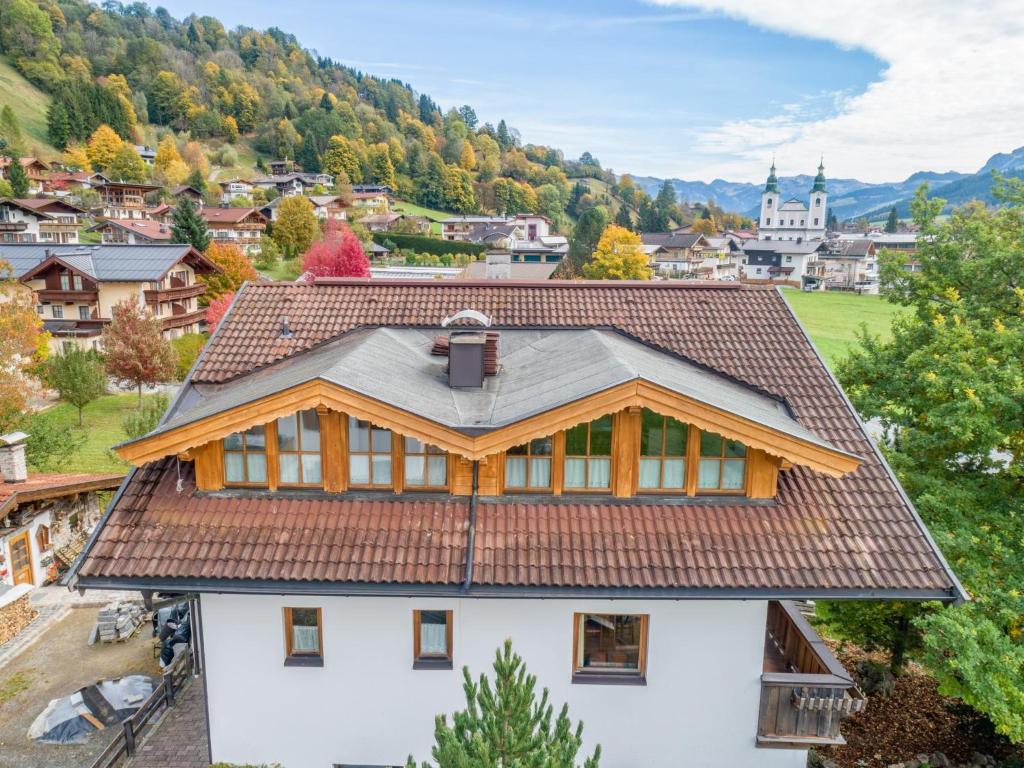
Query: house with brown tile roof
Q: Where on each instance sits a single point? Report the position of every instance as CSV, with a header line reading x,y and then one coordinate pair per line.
x,y
365,485
44,517
236,226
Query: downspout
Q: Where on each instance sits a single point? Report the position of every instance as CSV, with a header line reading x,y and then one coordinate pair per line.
x,y
471,536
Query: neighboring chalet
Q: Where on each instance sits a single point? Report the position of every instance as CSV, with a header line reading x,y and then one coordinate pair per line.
x,y
498,265
675,252
62,183
236,226
232,188
147,153
527,237
195,195
388,222
365,486
133,231
293,184
377,201
77,287
471,229
21,221
790,262
124,199
330,207
850,264
61,220
44,518
36,170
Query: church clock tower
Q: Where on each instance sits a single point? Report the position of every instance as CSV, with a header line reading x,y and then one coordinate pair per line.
x,y
770,205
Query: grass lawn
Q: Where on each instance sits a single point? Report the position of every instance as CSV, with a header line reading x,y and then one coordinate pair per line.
x,y
418,210
278,272
102,426
29,105
833,317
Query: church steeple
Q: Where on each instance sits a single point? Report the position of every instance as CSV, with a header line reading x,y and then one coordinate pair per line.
x,y
819,180
772,184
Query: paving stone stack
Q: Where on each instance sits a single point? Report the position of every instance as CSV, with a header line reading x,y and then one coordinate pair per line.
x,y
118,620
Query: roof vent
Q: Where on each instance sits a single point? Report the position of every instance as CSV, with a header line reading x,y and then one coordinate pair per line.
x,y
286,331
466,359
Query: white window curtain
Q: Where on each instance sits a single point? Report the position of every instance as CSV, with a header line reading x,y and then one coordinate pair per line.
x,y
289,467
433,639
305,639
674,473
437,470
515,472
575,473
414,470
540,473
708,475
311,468
650,473
234,467
600,473
257,467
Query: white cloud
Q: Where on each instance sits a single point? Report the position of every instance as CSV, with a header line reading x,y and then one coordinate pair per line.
x,y
949,97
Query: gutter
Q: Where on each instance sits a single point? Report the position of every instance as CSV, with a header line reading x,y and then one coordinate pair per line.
x,y
471,533
70,579
956,591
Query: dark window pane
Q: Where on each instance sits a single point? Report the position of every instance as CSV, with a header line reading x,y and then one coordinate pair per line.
x,y
612,643
734,449
254,439
310,421
576,441
675,438
304,617
601,437
650,433
541,446
358,435
412,445
287,435
233,442
710,444
517,450
380,440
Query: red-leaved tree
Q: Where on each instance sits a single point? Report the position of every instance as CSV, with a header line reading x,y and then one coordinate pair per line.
x,y
134,347
338,254
215,312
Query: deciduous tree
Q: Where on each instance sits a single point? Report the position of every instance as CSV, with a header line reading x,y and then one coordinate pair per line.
x,y
506,724
341,158
216,311
78,377
235,270
296,226
23,346
619,256
127,165
338,254
102,147
10,130
135,350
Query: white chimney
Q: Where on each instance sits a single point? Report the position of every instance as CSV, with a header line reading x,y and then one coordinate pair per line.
x,y
12,457
499,265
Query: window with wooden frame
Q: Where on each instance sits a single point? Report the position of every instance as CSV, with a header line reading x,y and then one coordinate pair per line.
x,y
528,466
609,648
43,537
303,637
663,443
245,457
298,448
369,455
425,466
432,639
588,456
723,465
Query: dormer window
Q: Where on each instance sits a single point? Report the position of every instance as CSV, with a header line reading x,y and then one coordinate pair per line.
x,y
528,466
298,447
369,455
723,464
662,453
426,466
588,456
245,457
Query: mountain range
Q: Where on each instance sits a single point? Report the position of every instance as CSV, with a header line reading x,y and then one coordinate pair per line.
x,y
851,198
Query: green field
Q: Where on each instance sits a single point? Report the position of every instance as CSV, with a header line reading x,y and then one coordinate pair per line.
x,y
411,209
102,428
833,317
30,105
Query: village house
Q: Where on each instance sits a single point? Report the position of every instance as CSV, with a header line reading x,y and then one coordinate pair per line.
x,y
19,223
790,262
36,170
62,220
396,222
675,252
365,486
63,183
236,226
498,265
77,287
330,207
472,229
232,188
293,184
193,194
44,518
124,199
147,153
133,231
378,202
850,264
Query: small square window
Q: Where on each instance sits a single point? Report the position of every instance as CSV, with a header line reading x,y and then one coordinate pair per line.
x,y
610,648
432,640
303,637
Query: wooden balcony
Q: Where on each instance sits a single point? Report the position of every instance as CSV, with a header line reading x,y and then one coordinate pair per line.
x,y
13,226
181,318
174,293
805,692
58,295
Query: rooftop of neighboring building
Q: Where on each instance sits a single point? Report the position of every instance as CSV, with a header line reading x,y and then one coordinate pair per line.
x,y
104,263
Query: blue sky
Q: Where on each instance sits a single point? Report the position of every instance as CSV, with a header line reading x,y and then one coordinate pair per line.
x,y
665,88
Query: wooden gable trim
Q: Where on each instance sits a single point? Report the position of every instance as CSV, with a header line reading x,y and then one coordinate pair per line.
x,y
630,394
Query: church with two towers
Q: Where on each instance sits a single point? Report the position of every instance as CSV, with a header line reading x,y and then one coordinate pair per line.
x,y
793,219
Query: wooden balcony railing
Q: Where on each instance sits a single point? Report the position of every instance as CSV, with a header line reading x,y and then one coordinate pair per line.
x,y
805,692
174,293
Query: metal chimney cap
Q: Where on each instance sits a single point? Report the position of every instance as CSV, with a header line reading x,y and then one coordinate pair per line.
x,y
467,314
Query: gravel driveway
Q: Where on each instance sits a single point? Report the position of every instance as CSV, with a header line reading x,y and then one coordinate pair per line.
x,y
57,664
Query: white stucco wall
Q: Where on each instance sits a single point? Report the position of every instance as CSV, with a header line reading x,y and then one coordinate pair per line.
x,y
367,706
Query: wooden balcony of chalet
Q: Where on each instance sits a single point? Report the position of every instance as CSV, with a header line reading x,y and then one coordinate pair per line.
x,y
181,317
176,290
805,691
62,295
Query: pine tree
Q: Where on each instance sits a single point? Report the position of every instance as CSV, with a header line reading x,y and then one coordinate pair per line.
x,y
665,202
623,217
188,226
504,136
831,222
893,222
197,181
136,351
58,126
504,724
78,377
17,177
583,242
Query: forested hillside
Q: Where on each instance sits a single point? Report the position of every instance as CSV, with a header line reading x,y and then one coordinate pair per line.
x,y
127,65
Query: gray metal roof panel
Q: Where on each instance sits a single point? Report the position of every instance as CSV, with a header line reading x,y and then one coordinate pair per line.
x,y
540,370
107,263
